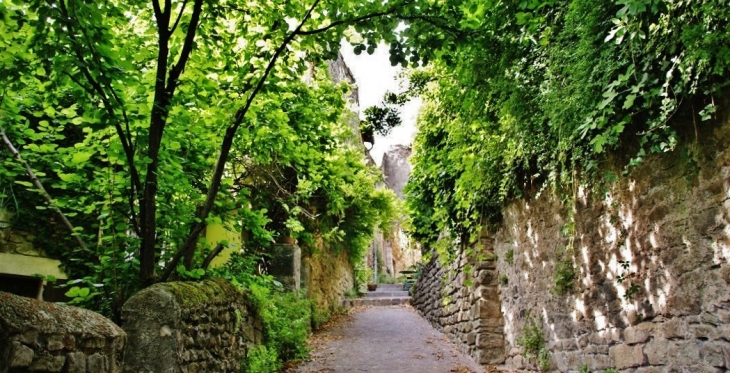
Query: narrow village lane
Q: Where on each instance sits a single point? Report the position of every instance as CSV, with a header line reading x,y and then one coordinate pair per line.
x,y
385,339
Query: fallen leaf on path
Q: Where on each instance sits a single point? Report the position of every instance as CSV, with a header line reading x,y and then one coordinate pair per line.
x,y
461,369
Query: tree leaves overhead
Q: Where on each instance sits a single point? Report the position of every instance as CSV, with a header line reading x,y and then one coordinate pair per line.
x,y
147,119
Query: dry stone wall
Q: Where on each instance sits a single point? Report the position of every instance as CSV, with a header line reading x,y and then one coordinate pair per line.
x,y
189,327
461,300
650,257
327,277
37,336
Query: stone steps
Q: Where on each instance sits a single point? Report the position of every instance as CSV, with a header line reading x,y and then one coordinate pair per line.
x,y
356,302
385,295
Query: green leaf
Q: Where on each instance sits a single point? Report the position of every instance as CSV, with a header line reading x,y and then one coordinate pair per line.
x,y
80,157
629,101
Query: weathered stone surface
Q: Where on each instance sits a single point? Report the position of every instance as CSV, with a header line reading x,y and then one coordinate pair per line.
x,y
285,265
658,351
46,337
48,363
637,334
76,362
671,229
97,363
20,356
626,356
713,354
172,325
473,315
396,168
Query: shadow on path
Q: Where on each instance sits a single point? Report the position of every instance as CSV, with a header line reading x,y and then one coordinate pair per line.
x,y
384,339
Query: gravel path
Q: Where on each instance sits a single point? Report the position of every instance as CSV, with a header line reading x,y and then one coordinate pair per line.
x,y
383,340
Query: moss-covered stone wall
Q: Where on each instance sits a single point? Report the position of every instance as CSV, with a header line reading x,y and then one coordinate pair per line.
x,y
38,336
189,327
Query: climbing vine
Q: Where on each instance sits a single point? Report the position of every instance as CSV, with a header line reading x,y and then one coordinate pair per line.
x,y
546,89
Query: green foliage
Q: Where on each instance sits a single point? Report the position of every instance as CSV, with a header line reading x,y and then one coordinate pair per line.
x,y
261,359
632,288
542,91
503,279
363,276
242,271
543,359
564,276
611,370
386,278
287,320
147,124
509,256
531,340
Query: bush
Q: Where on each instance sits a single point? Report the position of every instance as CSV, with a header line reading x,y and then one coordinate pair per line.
x,y
260,359
564,276
532,343
287,321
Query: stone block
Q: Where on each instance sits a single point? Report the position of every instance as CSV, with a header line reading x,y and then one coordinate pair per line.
x,y
637,334
20,355
712,354
48,363
69,342
658,351
595,349
29,337
671,329
76,362
485,309
96,363
490,356
600,362
488,277
686,353
490,341
625,356
54,342
94,343
703,331
650,370
489,292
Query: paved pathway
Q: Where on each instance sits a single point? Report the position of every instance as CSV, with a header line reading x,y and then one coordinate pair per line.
x,y
383,340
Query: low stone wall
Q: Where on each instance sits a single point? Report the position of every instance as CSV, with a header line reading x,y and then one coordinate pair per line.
x,y
189,327
37,336
462,300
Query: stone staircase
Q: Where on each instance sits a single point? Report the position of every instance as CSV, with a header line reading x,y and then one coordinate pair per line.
x,y
385,295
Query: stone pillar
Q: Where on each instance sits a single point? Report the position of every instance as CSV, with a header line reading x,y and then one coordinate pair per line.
x,y
285,265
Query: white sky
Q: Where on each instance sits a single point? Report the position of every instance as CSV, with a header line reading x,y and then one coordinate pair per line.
x,y
374,77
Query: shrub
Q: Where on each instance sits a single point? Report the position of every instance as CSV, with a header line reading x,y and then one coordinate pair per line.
x,y
260,359
532,343
509,256
564,276
287,321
